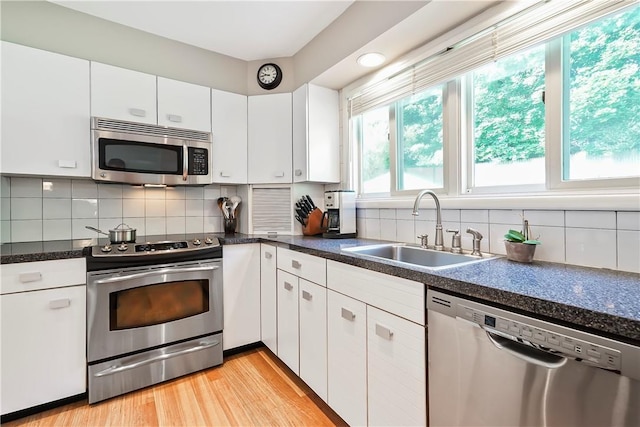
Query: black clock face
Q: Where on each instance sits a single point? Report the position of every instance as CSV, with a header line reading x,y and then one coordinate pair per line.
x,y
269,76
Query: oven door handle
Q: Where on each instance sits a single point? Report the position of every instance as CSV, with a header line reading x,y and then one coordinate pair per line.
x,y
137,361
155,273
185,162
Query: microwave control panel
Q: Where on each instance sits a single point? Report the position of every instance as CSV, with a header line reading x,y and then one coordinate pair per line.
x,y
198,161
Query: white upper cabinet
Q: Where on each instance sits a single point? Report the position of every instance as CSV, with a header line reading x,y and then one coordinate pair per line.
x,y
229,127
45,113
118,93
184,105
270,136
316,140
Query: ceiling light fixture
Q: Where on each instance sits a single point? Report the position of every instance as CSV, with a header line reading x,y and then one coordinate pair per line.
x,y
372,59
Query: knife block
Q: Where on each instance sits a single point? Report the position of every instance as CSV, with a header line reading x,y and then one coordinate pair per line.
x,y
313,223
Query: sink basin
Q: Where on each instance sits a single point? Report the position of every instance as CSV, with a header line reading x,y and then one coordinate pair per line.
x,y
415,255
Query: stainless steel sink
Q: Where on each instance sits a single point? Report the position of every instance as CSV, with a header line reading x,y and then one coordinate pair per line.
x,y
415,255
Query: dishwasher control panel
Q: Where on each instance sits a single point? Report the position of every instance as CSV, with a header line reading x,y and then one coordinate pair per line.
x,y
598,355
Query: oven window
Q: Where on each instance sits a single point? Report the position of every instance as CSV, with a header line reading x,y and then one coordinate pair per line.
x,y
156,304
131,156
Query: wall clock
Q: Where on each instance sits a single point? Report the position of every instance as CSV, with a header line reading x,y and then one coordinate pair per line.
x,y
269,76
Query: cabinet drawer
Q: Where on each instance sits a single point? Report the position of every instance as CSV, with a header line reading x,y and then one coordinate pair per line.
x,y
402,297
31,276
397,384
309,267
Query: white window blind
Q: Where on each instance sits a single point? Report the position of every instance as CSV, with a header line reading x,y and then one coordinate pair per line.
x,y
537,24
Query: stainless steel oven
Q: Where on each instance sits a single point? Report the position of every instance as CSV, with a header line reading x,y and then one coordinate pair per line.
x,y
157,315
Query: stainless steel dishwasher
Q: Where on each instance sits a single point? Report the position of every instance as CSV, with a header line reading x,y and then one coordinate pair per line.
x,y
491,367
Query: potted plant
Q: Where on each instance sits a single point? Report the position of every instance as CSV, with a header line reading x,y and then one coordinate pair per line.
x,y
518,245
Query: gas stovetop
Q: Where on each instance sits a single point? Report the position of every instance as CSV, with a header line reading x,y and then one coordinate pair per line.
x,y
116,255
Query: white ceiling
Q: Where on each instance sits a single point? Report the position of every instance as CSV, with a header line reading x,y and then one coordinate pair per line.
x,y
247,30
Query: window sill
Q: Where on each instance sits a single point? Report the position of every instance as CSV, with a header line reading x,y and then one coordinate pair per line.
x,y
607,202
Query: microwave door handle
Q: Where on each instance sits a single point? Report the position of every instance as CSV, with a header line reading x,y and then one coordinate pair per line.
x,y
185,162
153,273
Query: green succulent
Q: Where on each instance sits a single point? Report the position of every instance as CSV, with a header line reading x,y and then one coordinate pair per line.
x,y
518,237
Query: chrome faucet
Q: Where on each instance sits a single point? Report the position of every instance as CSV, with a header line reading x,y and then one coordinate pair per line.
x,y
439,243
477,237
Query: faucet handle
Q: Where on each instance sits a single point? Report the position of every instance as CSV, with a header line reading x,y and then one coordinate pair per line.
x,y
476,234
477,237
424,240
456,246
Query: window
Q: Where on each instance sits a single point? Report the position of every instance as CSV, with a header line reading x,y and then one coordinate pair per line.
x,y
603,99
508,121
547,99
419,136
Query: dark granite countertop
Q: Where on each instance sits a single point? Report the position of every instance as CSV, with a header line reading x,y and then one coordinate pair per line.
x,y
601,301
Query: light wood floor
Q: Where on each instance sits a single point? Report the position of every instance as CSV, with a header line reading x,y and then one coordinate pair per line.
x,y
250,389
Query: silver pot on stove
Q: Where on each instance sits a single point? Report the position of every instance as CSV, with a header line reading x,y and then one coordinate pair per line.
x,y
121,234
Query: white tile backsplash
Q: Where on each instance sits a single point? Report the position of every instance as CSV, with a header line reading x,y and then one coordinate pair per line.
x,y
176,225
372,213
57,209
5,186
110,191
26,230
56,229
155,226
213,224
505,216
591,247
5,208
81,189
26,187
154,208
591,219
110,208
551,218
79,230
175,193
133,208
5,231
196,193
155,193
628,221
552,247
26,208
405,231
450,215
387,214
475,216
132,192
211,192
372,226
176,207
195,224
629,250
56,188
195,207
84,208
388,229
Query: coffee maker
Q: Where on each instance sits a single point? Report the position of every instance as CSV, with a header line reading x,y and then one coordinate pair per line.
x,y
340,214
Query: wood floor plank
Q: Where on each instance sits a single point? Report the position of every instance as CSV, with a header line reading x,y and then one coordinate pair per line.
x,y
253,388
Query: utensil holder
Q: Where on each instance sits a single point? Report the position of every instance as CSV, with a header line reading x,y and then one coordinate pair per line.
x,y
230,225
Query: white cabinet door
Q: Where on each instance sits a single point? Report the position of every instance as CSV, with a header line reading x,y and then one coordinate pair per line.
x,y
229,127
43,347
241,287
118,93
184,105
347,357
269,139
288,320
316,137
268,297
313,336
45,113
397,377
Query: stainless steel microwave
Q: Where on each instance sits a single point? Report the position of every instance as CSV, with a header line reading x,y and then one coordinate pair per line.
x,y
138,153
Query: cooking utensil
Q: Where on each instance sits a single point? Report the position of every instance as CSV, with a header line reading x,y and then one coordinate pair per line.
x,y
300,220
313,205
307,204
118,235
235,200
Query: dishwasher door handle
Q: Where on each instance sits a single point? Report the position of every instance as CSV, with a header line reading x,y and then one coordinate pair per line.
x,y
526,353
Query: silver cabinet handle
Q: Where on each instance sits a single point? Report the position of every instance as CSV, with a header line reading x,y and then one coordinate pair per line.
x,y
279,174
174,118
185,162
295,264
69,164
383,332
268,255
137,361
288,286
224,174
59,303
348,314
306,295
138,112
30,277
298,172
155,273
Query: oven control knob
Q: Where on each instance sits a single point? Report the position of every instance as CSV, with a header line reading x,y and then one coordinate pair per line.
x,y
176,245
208,241
122,247
106,248
197,242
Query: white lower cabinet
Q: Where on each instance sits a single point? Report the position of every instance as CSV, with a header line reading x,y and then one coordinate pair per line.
x,y
268,297
312,310
347,357
241,288
43,346
288,320
396,366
